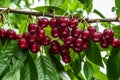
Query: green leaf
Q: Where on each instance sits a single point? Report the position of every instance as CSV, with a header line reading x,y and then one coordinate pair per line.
x,y
93,53
49,9
99,13
100,76
45,69
88,70
116,30
29,70
56,3
117,5
12,75
113,64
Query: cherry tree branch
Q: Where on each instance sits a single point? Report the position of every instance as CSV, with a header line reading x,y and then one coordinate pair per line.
x,y
35,13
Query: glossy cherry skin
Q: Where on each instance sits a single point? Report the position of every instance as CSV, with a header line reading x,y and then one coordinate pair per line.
x,y
91,29
86,35
115,42
104,43
2,33
41,34
43,22
55,32
11,34
19,36
64,50
63,21
66,58
53,22
76,32
78,42
68,40
22,43
34,47
33,28
108,34
45,41
73,23
97,36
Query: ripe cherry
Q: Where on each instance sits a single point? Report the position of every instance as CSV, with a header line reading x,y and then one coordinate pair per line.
x,y
78,42
32,39
78,49
73,23
104,43
64,32
41,34
26,34
64,50
43,22
66,58
45,41
34,47
115,42
76,32
55,32
2,33
85,45
68,40
91,29
86,35
33,28
11,34
108,34
19,36
97,36
53,22
63,21
22,43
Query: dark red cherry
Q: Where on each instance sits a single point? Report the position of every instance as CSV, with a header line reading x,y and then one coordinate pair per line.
x,y
115,42
78,49
32,39
86,35
33,28
11,34
41,34
64,32
43,22
68,40
85,45
91,29
108,34
64,50
104,43
66,58
2,33
19,36
76,32
63,21
26,34
45,41
34,47
53,22
78,42
22,43
73,23
97,36
55,32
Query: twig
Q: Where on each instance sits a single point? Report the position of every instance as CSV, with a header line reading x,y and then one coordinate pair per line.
x,y
36,13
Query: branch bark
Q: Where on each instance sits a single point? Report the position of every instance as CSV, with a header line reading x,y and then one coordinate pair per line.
x,y
35,13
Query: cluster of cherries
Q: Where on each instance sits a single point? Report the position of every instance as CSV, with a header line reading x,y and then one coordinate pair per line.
x,y
65,29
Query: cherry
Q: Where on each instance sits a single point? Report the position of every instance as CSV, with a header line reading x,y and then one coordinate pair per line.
x,y
22,43
19,36
43,22
85,45
63,21
78,49
2,33
66,58
64,50
55,32
76,32
86,35
32,39
34,47
104,43
68,40
11,34
54,48
41,34
26,34
73,23
64,32
108,34
33,28
97,36
45,41
78,42
91,29
53,22
115,42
